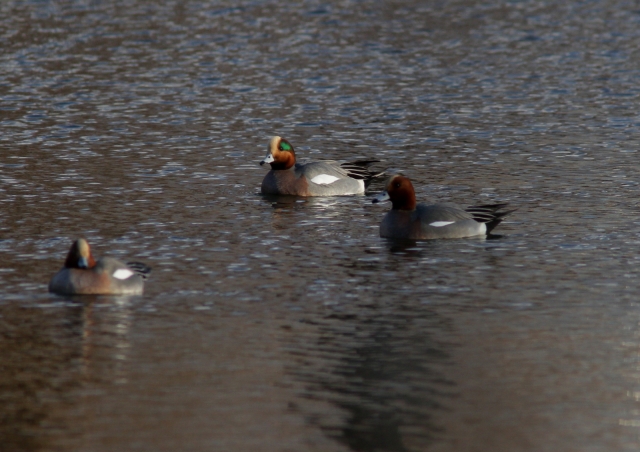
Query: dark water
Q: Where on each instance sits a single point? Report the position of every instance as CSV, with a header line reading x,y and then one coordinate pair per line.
x,y
288,324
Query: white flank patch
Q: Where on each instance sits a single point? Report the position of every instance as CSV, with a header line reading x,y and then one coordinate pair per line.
x,y
439,224
324,179
122,273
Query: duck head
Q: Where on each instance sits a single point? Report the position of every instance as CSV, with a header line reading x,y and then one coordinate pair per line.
x,y
280,154
80,255
401,193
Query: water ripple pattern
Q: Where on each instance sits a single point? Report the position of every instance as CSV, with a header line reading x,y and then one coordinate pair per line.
x,y
284,324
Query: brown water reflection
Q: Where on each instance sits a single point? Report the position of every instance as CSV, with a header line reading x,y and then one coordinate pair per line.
x,y
40,362
288,324
390,387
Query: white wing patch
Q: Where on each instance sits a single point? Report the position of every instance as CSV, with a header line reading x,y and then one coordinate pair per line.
x,y
324,179
122,273
439,224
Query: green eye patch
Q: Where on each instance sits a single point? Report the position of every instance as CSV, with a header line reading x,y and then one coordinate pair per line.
x,y
284,146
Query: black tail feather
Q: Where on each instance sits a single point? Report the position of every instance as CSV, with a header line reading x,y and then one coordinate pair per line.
x,y
140,268
489,214
360,170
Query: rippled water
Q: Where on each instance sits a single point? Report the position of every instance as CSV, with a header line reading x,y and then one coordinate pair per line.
x,y
288,324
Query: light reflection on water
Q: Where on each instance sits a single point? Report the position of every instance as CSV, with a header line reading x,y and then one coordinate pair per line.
x,y
288,324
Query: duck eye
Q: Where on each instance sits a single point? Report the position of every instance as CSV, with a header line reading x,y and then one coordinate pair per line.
x,y
397,185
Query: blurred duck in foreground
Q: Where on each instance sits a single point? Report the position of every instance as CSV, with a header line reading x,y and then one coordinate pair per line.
x,y
321,178
83,275
408,220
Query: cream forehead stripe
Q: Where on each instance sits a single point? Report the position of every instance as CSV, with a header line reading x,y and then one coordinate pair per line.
x,y
324,179
273,144
388,185
83,247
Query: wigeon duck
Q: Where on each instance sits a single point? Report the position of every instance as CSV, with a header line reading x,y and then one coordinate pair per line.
x,y
323,178
82,275
406,220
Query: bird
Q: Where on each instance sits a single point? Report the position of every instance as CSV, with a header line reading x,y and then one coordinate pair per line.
x,y
319,178
408,220
83,275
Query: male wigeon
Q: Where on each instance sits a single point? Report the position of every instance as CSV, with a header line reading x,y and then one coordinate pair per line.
x,y
82,275
406,220
322,178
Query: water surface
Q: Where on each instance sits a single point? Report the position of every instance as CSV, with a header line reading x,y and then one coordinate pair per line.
x,y
288,324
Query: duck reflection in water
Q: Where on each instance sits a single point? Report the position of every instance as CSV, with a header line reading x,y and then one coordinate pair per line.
x,y
56,352
385,374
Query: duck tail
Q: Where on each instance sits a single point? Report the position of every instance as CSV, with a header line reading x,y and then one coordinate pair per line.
x,y
490,214
360,170
139,268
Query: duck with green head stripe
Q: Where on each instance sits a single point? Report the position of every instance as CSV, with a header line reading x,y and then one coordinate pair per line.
x,y
322,178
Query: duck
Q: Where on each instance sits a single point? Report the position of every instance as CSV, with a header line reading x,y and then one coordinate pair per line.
x,y
321,178
83,275
408,220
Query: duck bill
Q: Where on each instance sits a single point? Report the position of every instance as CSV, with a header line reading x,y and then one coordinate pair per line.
x,y
382,197
83,262
268,159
